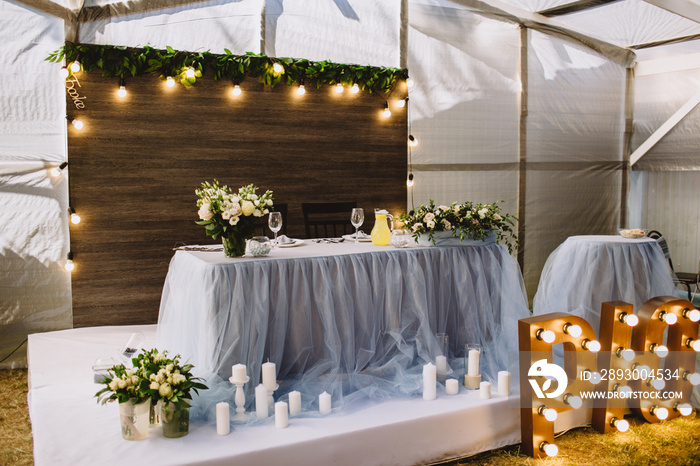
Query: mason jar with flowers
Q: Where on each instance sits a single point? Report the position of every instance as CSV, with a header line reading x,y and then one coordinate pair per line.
x,y
457,223
131,391
231,215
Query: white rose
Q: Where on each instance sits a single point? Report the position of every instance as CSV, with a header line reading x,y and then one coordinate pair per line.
x,y
254,196
233,220
256,202
269,202
482,213
257,213
113,385
165,390
497,217
134,380
129,372
446,224
205,212
154,386
160,378
226,215
169,368
178,379
417,226
430,224
429,217
158,357
443,208
247,208
234,209
121,383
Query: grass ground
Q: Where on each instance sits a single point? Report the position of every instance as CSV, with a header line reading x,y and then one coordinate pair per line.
x,y
676,442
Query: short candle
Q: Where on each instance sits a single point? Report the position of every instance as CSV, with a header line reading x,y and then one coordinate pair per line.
x,y
452,386
281,416
441,363
485,390
324,403
429,382
503,383
223,426
261,407
294,403
269,376
238,372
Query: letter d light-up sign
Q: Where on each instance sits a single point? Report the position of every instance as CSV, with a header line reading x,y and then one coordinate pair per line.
x,y
633,369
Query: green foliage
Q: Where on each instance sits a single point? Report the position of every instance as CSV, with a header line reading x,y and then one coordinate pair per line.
x,y
121,62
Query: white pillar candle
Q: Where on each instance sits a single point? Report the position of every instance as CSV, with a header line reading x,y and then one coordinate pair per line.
x,y
294,403
261,407
503,383
452,386
441,363
223,417
281,416
238,372
324,403
473,369
269,376
485,390
429,381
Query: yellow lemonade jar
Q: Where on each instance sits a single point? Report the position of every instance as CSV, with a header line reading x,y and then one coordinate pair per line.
x,y
381,233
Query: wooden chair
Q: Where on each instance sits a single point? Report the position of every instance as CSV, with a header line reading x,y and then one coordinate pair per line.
x,y
327,219
684,279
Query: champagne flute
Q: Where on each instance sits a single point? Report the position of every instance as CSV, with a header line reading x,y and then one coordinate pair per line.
x,y
274,221
356,218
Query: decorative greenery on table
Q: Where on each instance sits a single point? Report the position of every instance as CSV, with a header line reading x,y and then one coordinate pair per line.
x,y
153,376
466,220
121,62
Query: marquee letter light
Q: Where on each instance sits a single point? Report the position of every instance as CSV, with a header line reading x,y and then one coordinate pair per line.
x,y
654,317
536,337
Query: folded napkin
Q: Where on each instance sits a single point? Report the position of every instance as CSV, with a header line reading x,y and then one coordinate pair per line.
x,y
284,239
360,235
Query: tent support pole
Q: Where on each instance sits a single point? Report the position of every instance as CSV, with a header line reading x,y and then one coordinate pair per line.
x,y
522,147
627,145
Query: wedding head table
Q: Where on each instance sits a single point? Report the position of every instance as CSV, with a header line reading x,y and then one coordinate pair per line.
x,y
357,321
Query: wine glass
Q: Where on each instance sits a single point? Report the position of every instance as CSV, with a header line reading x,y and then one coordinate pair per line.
x,y
356,218
274,221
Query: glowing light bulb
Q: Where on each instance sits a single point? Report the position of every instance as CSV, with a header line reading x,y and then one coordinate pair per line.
x,y
339,88
695,344
692,314
77,124
387,112
410,83
75,66
74,218
69,265
56,171
624,390
573,330
545,335
301,90
412,140
549,449
355,88
170,82
685,409
591,345
121,92
409,180
401,103
627,354
190,72
236,90
549,414
621,424
593,376
629,319
64,72
693,378
658,384
669,317
572,400
277,68
659,412
660,350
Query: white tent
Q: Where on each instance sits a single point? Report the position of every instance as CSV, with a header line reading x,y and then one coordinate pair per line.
x,y
579,115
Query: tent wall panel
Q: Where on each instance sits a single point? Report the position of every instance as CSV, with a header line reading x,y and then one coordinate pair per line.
x,y
136,163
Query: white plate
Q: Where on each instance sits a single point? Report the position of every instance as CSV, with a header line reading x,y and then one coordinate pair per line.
x,y
295,242
363,239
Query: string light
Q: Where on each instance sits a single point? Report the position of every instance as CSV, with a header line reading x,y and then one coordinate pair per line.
x,y
277,68
669,317
236,90
629,319
692,314
409,180
190,72
122,89
355,88
75,66
77,124
301,90
573,330
69,266
339,88
64,73
621,424
387,112
591,345
401,103
74,218
56,171
412,140
549,449
546,336
169,81
410,83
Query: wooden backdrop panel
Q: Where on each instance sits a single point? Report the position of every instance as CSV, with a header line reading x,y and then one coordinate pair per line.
x,y
134,167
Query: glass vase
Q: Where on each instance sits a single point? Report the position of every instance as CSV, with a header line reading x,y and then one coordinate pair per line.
x,y
154,415
134,419
175,421
234,245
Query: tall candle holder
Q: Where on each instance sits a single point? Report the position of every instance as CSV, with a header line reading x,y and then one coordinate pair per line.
x,y
241,415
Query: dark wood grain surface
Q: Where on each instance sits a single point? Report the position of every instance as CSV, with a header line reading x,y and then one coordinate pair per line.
x,y
134,167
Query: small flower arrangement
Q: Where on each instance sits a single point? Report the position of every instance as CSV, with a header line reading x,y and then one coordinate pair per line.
x,y
154,376
223,211
466,220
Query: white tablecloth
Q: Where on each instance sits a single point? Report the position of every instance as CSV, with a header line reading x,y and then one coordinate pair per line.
x,y
586,271
357,321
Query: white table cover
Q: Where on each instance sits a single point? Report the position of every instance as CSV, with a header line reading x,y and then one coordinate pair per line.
x,y
586,271
355,320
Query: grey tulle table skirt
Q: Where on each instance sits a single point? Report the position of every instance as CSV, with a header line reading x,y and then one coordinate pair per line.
x,y
356,321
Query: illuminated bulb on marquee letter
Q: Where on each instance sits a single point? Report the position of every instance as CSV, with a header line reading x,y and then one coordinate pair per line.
x,y
629,319
693,378
572,400
625,353
236,90
122,91
695,344
659,350
591,345
573,330
549,449
549,414
546,336
620,424
659,412
686,409
658,384
355,88
692,314
170,82
668,317
339,88
75,66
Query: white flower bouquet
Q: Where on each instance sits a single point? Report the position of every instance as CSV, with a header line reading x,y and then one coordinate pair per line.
x,y
466,220
231,215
